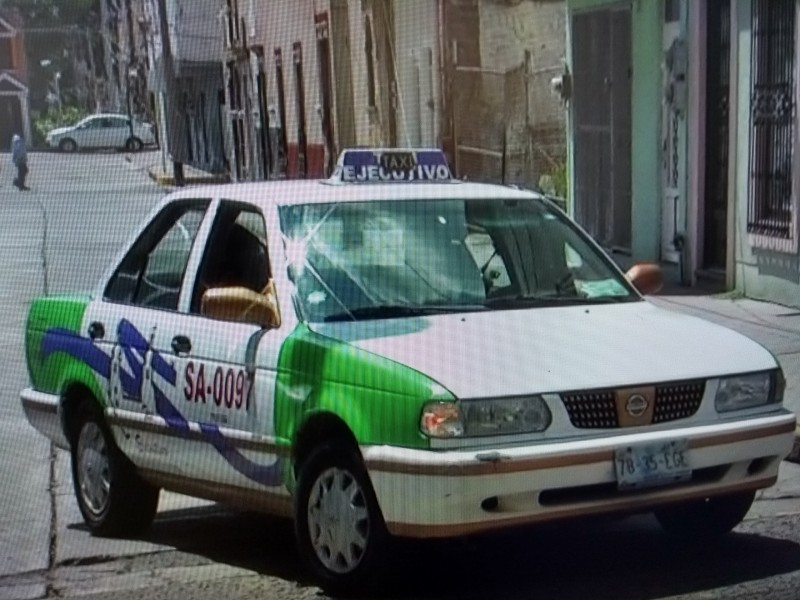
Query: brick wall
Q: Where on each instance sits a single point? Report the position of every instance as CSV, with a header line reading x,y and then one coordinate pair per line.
x,y
538,26
507,32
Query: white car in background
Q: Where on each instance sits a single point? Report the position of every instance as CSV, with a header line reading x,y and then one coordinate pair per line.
x,y
102,131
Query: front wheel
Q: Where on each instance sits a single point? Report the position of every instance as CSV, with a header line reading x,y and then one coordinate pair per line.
x,y
706,519
112,498
67,145
339,527
134,144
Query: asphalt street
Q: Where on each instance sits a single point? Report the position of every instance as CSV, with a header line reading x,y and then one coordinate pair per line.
x,y
61,235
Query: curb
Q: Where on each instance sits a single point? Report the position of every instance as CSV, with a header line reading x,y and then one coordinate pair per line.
x,y
169,180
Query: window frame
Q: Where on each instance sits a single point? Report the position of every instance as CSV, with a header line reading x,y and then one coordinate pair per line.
x,y
161,224
214,217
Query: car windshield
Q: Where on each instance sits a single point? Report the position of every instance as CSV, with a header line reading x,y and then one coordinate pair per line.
x,y
385,259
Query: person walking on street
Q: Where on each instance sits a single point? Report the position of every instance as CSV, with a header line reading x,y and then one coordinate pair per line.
x,y
19,156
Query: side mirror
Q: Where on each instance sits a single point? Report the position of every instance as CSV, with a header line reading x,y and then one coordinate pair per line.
x,y
646,277
242,305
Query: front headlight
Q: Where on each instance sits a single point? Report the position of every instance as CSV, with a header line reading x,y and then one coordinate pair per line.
x,y
480,418
748,391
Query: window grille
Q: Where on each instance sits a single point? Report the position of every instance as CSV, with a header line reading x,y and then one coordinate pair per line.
x,y
772,116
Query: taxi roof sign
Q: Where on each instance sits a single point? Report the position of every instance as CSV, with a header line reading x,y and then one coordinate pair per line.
x,y
391,165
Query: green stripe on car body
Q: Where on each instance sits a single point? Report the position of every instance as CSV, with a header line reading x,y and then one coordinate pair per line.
x,y
379,399
59,370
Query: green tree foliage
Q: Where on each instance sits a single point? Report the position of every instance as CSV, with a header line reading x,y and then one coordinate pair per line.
x,y
50,13
69,115
62,32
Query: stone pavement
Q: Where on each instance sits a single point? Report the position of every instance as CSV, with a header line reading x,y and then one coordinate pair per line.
x,y
777,328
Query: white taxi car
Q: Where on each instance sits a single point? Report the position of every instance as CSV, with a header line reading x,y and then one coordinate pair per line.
x,y
392,352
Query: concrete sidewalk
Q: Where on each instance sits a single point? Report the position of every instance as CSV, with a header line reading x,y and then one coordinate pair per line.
x,y
777,328
190,176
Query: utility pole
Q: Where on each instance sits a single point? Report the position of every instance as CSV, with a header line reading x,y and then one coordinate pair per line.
x,y
92,71
129,68
175,131
112,92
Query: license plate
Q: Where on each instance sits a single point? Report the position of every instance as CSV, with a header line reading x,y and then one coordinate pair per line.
x,y
652,465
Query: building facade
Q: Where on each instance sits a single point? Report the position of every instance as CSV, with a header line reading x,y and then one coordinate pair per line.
x,y
196,43
343,73
682,138
14,108
760,41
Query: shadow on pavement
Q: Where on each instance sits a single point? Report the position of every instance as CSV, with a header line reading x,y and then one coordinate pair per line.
x,y
620,559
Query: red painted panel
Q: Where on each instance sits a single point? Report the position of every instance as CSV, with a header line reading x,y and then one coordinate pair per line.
x,y
315,161
291,161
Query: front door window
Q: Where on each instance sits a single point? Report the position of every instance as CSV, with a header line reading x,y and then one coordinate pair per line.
x,y
152,273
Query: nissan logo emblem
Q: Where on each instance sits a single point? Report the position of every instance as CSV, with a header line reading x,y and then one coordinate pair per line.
x,y
636,405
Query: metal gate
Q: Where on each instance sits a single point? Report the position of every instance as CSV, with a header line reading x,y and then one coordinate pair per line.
x,y
601,51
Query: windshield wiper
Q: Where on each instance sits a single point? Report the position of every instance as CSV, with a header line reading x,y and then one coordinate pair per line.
x,y
394,311
525,301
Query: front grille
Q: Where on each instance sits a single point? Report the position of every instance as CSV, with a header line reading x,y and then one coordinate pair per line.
x,y
597,409
677,400
591,410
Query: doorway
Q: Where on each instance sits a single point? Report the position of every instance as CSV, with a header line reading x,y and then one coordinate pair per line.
x,y
715,199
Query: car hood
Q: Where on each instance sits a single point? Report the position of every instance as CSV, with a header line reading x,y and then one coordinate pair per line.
x,y
541,350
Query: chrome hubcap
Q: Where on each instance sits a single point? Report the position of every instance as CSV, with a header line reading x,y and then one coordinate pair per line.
x,y
338,520
94,477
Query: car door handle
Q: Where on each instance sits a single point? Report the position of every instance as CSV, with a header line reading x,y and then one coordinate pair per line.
x,y
181,344
96,330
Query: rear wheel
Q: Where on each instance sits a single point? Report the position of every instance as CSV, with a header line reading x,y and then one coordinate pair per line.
x,y
67,145
339,527
112,498
708,519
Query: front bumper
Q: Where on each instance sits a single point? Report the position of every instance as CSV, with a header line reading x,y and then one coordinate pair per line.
x,y
440,494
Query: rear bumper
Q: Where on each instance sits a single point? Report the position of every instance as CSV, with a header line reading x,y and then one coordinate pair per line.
x,y
42,412
436,494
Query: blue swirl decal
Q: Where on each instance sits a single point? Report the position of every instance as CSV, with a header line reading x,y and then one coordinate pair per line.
x,y
134,347
80,348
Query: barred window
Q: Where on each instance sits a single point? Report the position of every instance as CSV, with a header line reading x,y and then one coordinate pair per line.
x,y
772,116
